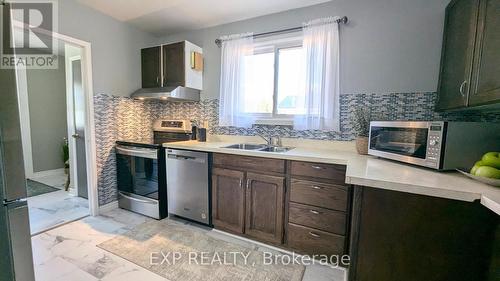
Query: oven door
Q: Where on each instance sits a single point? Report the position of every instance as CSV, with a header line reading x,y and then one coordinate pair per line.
x,y
402,141
138,182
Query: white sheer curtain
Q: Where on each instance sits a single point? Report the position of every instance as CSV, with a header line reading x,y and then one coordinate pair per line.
x,y
321,48
232,81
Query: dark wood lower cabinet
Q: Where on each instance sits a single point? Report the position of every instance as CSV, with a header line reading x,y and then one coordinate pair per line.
x,y
333,173
259,198
494,272
389,235
248,163
400,236
317,217
314,242
319,194
264,207
228,200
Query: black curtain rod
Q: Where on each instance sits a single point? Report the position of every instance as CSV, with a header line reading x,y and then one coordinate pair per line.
x,y
343,20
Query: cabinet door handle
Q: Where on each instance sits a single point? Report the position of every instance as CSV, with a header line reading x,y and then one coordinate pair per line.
x,y
317,167
314,212
241,182
462,88
248,184
317,187
314,234
157,81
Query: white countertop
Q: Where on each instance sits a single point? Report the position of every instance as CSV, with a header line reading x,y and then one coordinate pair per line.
x,y
367,170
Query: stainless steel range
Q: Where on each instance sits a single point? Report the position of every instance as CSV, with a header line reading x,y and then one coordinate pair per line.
x,y
141,168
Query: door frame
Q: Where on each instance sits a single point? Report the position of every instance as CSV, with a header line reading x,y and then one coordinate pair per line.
x,y
90,140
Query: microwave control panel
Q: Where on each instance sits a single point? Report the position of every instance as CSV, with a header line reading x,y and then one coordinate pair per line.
x,y
434,143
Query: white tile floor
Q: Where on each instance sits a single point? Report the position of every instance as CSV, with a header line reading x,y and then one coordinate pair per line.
x,y
69,252
57,181
55,208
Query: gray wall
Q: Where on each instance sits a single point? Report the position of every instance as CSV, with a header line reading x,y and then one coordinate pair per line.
x,y
47,109
115,46
388,45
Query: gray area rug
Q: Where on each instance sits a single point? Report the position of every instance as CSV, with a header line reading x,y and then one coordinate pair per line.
x,y
143,245
34,188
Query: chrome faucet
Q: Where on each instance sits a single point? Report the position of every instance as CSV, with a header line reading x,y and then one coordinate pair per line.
x,y
272,140
268,140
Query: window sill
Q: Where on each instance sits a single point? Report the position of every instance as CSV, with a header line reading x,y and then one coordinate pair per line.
x,y
274,121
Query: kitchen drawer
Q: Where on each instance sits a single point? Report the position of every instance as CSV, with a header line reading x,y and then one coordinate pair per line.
x,y
249,163
328,196
314,242
319,218
335,173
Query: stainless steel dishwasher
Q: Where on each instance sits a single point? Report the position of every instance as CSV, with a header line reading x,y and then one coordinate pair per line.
x,y
188,186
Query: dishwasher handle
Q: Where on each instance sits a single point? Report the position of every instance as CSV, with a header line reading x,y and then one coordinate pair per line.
x,y
186,158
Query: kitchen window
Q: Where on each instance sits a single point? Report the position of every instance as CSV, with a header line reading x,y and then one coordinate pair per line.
x,y
274,86
288,79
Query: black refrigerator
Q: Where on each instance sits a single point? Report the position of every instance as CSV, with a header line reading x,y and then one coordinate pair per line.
x,y
16,258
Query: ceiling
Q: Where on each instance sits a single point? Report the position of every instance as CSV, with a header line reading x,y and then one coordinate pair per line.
x,y
163,17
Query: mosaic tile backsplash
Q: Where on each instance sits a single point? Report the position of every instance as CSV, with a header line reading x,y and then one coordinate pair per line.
x,y
125,118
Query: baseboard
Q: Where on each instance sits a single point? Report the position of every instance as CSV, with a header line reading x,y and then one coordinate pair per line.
x,y
48,173
108,207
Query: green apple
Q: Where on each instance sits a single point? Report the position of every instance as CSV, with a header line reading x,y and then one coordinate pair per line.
x,y
491,159
476,165
488,172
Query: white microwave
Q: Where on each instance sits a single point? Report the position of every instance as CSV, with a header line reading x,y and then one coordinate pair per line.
x,y
438,145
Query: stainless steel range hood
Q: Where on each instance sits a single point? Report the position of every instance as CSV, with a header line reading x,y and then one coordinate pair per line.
x,y
167,93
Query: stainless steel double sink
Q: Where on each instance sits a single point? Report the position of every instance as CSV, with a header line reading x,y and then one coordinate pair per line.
x,y
259,147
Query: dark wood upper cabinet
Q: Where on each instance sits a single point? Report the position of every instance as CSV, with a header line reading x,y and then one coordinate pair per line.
x,y
173,64
457,54
470,61
264,207
150,66
228,200
485,85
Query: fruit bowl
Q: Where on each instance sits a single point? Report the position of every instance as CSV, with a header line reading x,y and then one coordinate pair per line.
x,y
489,181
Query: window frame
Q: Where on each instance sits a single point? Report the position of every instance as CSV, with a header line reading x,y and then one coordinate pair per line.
x,y
273,45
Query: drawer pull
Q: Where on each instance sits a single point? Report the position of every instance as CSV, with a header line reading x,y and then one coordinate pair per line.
x,y
317,187
314,234
314,212
317,167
